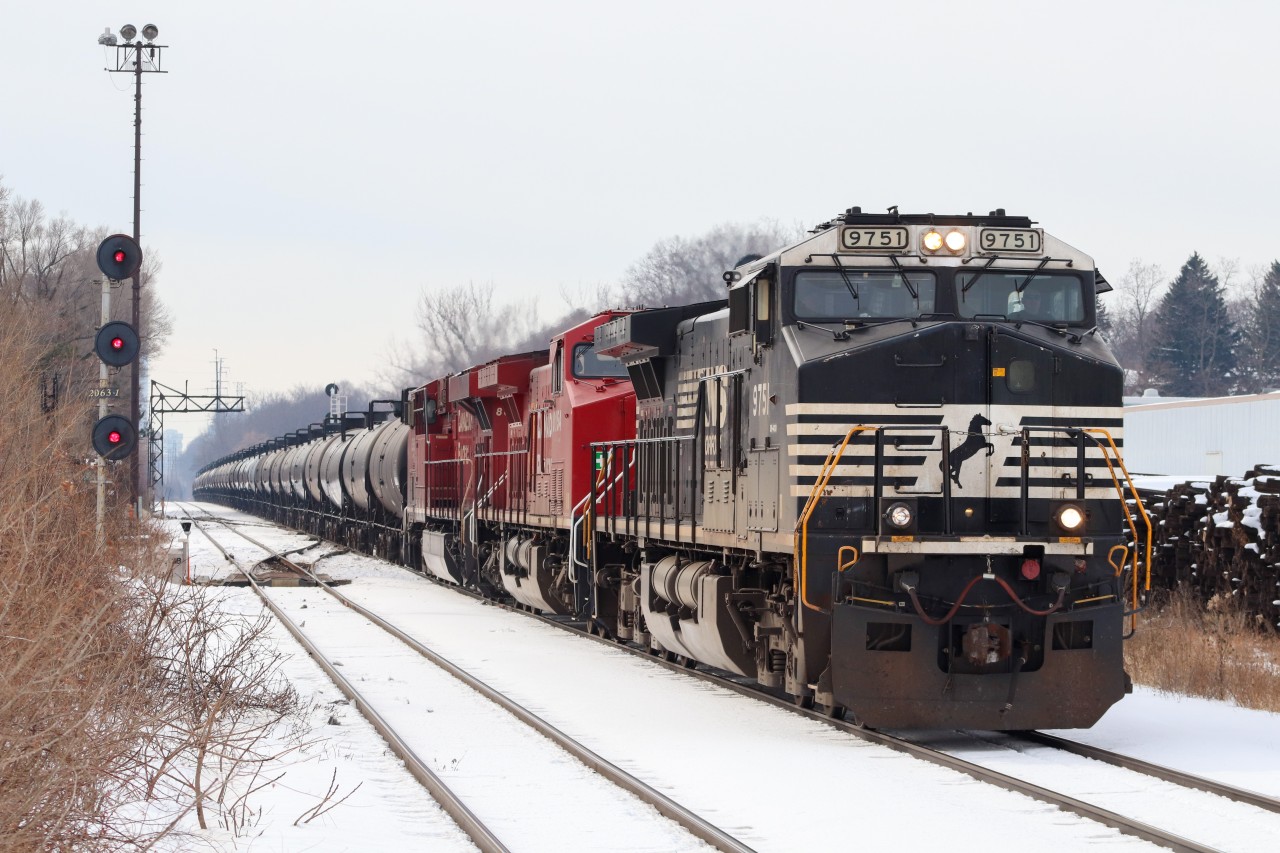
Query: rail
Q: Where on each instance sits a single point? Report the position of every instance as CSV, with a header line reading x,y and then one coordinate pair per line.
x,y
695,824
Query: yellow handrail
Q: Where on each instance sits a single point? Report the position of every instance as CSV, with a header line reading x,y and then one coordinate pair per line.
x,y
801,535
1146,519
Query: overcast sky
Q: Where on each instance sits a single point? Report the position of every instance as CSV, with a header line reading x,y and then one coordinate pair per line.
x,y
310,167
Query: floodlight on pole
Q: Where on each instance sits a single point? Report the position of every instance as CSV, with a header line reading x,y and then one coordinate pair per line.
x,y
129,60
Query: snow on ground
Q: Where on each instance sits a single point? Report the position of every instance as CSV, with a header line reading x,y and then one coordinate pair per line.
x,y
775,780
1217,740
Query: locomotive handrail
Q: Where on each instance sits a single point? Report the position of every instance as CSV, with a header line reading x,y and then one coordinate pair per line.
x,y
575,525
1124,506
801,544
674,441
457,489
1133,489
829,465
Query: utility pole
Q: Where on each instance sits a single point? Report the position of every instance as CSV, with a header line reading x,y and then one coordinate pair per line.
x,y
130,59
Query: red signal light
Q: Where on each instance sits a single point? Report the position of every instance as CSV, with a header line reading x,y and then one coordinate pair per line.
x,y
117,343
119,257
114,437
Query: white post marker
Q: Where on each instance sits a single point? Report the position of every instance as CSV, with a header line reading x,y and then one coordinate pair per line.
x,y
186,551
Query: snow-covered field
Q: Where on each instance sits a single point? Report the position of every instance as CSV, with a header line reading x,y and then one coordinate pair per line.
x,y
771,778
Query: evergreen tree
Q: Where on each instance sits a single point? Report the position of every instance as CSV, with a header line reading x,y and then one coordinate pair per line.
x,y
1260,359
1102,317
1195,351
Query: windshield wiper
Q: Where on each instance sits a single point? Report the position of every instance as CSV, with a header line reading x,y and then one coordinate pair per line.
x,y
839,336
977,275
1060,328
1023,286
905,280
844,274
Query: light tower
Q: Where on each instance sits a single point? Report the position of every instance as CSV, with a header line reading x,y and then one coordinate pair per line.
x,y
136,57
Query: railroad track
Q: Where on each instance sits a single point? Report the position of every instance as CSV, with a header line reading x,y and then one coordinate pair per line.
x,y
946,756
1168,774
563,788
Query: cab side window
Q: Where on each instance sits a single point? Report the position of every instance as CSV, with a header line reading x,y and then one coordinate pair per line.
x,y
557,370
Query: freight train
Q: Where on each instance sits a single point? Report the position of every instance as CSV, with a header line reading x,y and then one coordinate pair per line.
x,y
883,476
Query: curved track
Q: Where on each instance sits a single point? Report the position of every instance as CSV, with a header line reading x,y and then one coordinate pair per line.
x,y
483,835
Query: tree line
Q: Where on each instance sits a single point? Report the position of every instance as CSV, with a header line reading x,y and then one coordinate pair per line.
x,y
49,277
463,324
1209,332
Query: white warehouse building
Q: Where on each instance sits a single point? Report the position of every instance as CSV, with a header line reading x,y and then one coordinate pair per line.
x,y
1201,438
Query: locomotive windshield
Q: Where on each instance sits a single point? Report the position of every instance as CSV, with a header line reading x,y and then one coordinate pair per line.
x,y
825,295
1045,297
587,364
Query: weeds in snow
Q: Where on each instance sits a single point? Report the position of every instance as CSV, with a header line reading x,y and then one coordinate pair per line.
x,y
1211,651
126,703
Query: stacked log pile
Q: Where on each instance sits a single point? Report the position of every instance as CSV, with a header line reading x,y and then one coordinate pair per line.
x,y
1221,539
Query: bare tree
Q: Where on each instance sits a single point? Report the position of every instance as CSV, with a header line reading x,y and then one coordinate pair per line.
x,y
459,327
53,261
1132,322
106,669
683,270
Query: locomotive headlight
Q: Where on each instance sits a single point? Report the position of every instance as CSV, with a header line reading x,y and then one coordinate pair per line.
x,y
899,515
1070,517
932,241
955,241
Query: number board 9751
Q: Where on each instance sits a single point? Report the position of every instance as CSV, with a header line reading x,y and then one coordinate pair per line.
x,y
863,239
1010,239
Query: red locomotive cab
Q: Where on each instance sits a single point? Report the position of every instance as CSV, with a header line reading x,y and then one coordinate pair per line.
x,y
578,398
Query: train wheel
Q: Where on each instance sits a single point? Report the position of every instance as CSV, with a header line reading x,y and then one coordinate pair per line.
x,y
687,663
670,657
835,712
803,701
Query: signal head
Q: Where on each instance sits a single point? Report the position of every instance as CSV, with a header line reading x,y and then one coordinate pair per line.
x,y
119,257
114,437
116,344
128,31
150,31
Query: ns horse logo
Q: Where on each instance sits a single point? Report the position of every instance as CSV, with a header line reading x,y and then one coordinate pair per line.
x,y
974,442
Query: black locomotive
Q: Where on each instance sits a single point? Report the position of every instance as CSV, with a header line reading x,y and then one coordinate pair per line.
x,y
882,476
